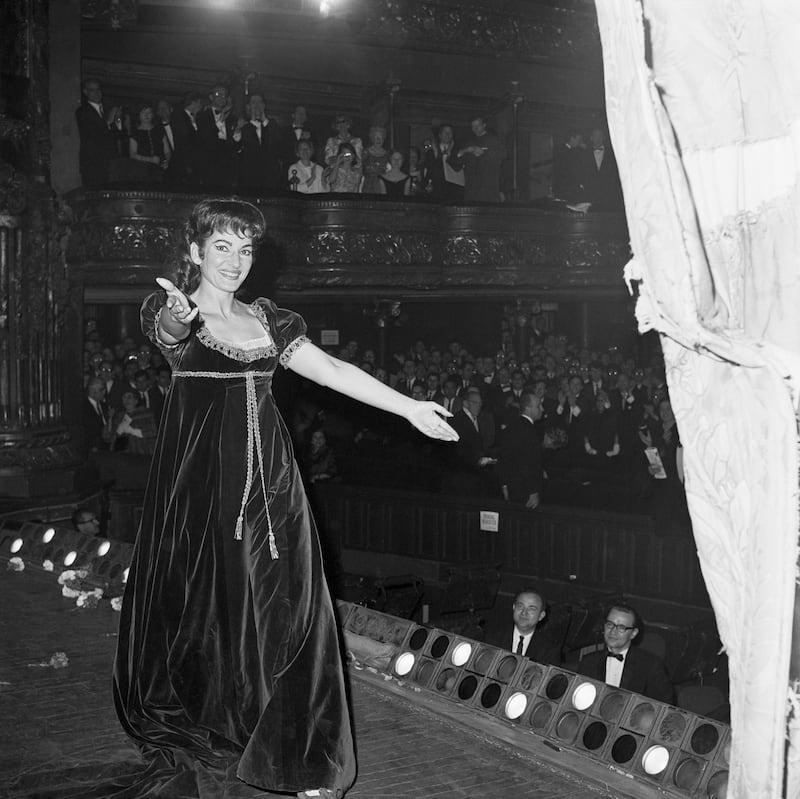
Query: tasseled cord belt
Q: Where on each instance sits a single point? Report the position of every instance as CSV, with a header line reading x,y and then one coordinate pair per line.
x,y
253,443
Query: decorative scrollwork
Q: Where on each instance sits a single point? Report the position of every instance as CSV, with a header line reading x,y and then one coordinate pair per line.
x,y
367,248
478,26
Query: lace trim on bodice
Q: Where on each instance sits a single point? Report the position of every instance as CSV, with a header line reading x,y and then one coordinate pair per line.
x,y
238,352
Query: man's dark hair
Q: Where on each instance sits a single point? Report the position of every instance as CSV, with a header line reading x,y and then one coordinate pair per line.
x,y
531,590
621,606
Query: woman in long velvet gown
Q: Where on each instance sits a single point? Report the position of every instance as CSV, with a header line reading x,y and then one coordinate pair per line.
x,y
228,671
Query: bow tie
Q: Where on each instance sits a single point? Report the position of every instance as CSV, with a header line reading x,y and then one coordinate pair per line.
x,y
610,654
599,149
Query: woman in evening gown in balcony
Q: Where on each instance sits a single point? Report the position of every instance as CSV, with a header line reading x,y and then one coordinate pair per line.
x,y
228,672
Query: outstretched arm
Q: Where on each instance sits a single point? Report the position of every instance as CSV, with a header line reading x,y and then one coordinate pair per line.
x,y
428,417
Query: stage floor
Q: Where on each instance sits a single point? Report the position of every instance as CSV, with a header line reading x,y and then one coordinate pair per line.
x,y
58,728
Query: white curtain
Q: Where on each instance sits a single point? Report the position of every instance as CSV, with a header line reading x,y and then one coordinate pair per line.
x,y
703,100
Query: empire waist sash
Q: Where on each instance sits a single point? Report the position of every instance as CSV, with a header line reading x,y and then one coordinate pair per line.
x,y
253,443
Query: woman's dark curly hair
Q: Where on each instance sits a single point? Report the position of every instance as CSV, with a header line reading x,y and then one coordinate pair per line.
x,y
207,217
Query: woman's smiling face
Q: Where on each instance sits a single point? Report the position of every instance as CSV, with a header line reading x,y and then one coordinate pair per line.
x,y
226,259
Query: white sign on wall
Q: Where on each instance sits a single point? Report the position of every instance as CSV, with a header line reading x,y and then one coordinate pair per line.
x,y
490,521
329,338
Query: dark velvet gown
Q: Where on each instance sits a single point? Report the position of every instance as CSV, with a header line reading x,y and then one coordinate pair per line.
x,y
228,663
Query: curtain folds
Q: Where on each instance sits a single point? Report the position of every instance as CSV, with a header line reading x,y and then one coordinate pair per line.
x,y
703,105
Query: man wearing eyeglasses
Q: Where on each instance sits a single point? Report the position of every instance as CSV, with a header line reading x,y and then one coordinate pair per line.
x,y
626,666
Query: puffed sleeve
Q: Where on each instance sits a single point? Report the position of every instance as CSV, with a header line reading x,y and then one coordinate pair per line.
x,y
289,331
149,316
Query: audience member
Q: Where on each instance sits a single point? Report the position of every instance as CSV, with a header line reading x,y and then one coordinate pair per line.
x,y
97,140
216,125
443,169
624,665
96,416
519,467
185,166
344,174
482,156
571,169
320,461
84,520
415,186
521,635
603,187
259,146
134,427
375,161
395,183
341,124
296,132
164,121
146,148
304,175
471,461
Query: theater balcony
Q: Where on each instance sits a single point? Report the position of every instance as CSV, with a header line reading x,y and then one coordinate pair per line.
x,y
346,246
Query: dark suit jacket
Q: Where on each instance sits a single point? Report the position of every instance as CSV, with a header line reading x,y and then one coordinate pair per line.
x,y
218,156
433,173
571,169
259,161
541,649
93,426
644,673
604,189
520,464
185,164
97,145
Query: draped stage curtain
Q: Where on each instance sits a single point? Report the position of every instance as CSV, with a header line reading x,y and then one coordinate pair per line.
x,y
702,102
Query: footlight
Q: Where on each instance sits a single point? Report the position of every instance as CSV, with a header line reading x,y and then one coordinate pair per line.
x,y
655,760
16,545
515,705
48,535
404,664
461,653
584,695
70,557
103,549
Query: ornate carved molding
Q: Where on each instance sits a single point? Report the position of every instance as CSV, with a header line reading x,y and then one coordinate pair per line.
x,y
124,238
550,34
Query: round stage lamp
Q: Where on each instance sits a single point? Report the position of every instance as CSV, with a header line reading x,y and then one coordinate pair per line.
x,y
584,695
48,535
655,760
104,548
16,545
70,557
515,705
460,654
404,664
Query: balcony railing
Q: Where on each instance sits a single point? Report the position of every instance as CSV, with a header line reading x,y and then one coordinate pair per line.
x,y
349,245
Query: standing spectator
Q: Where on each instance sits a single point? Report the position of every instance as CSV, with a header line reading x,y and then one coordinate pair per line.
x,y
571,168
304,175
97,139
443,169
96,416
216,125
258,141
164,121
160,390
185,164
375,161
415,171
395,183
342,124
344,174
294,134
470,470
520,463
603,187
482,156
320,461
146,148
134,427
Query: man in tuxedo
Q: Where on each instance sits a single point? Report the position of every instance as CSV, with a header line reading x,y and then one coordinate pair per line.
x,y
626,666
158,392
443,170
186,162
603,187
470,470
258,141
523,637
96,416
297,131
450,400
97,139
520,463
216,125
570,168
